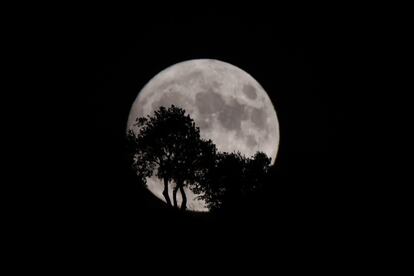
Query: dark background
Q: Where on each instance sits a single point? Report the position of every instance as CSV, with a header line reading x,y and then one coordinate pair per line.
x,y
315,214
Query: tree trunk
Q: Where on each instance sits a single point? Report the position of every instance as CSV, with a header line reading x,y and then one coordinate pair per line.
x,y
165,193
175,195
183,195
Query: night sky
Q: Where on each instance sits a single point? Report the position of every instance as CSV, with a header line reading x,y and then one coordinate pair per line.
x,y
307,68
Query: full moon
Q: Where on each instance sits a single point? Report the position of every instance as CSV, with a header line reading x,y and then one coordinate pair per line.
x,y
228,105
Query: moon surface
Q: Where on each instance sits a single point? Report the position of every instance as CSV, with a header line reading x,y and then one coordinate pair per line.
x,y
228,105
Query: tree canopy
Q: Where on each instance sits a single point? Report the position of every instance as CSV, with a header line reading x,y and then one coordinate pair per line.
x,y
232,179
169,145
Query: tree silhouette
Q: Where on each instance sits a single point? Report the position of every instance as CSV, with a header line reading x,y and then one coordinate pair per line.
x,y
192,163
232,179
169,145
141,160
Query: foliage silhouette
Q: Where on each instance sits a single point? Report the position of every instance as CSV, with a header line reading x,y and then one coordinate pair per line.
x,y
168,145
232,180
